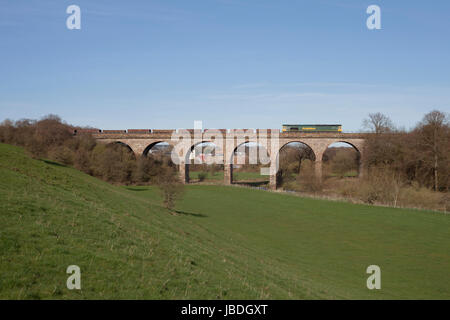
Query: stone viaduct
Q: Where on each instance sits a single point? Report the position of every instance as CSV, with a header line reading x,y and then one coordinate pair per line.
x,y
141,141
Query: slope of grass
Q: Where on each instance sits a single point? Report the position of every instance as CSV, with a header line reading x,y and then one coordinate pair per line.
x,y
225,242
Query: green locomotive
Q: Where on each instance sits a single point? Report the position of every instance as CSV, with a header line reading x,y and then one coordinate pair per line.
x,y
312,128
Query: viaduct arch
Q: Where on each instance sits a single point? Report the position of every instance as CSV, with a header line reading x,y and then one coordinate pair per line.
x,y
272,139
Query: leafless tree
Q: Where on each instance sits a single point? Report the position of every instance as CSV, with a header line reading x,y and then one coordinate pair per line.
x,y
433,140
378,123
170,187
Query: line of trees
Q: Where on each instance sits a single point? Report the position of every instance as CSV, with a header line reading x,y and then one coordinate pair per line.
x,y
50,138
418,156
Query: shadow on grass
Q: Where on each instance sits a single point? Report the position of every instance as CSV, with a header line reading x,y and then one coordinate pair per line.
x,y
198,215
136,189
251,183
54,163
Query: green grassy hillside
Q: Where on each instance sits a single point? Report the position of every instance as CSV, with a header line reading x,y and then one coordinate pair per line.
x,y
226,242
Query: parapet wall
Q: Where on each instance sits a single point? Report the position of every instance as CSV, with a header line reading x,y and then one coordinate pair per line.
x,y
231,133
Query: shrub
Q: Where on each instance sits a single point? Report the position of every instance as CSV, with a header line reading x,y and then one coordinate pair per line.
x,y
141,173
381,185
308,179
347,188
170,187
202,176
62,154
7,131
213,168
82,161
343,163
48,133
421,197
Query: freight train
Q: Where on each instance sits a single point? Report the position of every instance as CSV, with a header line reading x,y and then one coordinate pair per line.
x,y
312,128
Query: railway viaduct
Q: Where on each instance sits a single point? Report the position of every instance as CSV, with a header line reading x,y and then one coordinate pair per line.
x,y
227,141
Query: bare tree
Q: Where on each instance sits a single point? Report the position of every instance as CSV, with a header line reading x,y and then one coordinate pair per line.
x,y
433,135
378,123
170,187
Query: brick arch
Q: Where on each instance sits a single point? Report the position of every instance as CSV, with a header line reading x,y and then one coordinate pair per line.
x,y
192,147
228,167
185,173
296,141
124,144
356,145
151,145
310,144
230,153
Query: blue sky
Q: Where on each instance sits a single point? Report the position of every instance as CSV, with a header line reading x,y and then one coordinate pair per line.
x,y
229,63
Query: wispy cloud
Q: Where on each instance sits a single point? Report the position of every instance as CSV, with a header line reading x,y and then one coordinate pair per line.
x,y
307,84
264,96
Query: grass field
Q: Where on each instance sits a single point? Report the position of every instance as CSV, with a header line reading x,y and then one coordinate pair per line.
x,y
237,176
225,242
244,176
